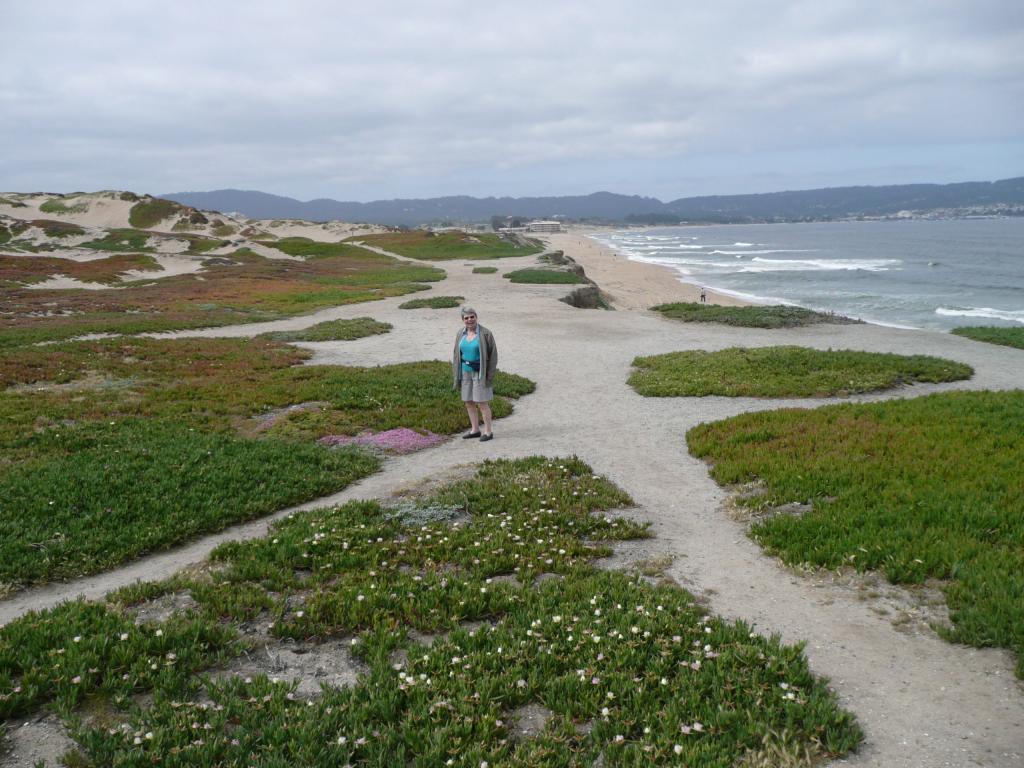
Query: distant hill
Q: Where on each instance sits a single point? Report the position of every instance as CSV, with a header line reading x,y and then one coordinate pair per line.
x,y
803,205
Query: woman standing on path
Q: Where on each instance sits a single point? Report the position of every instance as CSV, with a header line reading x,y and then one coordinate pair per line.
x,y
474,362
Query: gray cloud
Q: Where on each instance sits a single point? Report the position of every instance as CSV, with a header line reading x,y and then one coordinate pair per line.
x,y
401,98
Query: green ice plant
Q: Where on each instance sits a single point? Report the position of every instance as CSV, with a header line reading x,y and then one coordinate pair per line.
x,y
786,371
918,489
634,672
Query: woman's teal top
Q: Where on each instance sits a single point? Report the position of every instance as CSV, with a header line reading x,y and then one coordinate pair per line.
x,y
470,352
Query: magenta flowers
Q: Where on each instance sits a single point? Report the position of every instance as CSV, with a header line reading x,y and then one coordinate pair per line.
x,y
398,440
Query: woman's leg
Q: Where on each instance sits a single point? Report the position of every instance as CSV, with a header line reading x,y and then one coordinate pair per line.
x,y
474,416
485,409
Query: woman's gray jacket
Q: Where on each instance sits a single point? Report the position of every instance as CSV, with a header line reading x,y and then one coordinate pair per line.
x,y
488,356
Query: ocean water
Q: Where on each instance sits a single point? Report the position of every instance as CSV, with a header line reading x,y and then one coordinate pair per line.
x,y
914,274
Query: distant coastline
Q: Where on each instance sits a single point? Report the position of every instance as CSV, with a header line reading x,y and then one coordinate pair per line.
x,y
966,199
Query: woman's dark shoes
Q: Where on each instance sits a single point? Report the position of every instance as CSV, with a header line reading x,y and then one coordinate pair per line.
x,y
470,434
485,438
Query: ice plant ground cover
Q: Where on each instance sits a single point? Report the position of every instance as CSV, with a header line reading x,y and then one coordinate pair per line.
x,y
544,276
926,488
434,302
444,246
455,630
776,316
241,287
332,330
117,447
993,334
786,371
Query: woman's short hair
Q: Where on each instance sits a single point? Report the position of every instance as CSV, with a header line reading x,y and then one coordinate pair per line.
x,y
467,310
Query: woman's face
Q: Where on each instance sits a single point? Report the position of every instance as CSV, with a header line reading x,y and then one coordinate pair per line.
x,y
470,321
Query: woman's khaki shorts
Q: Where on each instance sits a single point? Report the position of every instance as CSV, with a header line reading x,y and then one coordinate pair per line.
x,y
475,391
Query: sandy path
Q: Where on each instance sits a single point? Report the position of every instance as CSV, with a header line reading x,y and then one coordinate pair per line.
x,y
921,701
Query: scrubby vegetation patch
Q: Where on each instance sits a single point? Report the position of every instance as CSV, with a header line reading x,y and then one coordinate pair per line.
x,y
113,448
250,288
436,246
434,302
544,277
777,316
624,672
151,211
787,371
992,334
925,488
333,330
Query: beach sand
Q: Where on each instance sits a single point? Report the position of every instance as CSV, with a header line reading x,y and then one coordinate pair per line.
x,y
921,701
629,284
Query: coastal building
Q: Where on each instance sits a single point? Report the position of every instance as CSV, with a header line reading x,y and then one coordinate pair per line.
x,y
544,226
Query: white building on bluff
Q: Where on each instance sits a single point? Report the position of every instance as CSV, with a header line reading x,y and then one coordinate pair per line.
x,y
544,226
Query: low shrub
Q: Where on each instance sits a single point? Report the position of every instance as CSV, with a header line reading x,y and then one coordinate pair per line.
x,y
151,211
484,270
63,205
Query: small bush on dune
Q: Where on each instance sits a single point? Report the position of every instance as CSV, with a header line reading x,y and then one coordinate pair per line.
x,y
151,211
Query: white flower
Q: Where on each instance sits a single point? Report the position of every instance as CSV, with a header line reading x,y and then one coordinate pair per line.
x,y
678,749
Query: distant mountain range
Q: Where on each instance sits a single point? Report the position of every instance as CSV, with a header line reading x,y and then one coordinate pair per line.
x,y
805,205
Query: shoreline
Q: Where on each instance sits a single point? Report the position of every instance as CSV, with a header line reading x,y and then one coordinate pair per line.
x,y
631,284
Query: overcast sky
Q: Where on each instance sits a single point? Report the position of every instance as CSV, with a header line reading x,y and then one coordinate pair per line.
x,y
420,99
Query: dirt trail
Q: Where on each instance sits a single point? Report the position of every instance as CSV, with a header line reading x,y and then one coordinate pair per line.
x,y
921,701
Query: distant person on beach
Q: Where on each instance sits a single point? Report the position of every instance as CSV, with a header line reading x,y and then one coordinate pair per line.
x,y
474,362
703,296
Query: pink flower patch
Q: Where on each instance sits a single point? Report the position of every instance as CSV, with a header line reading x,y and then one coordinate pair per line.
x,y
398,440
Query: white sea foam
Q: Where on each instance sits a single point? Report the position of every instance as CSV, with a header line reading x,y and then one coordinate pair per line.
x,y
751,253
743,245
827,265
1013,315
